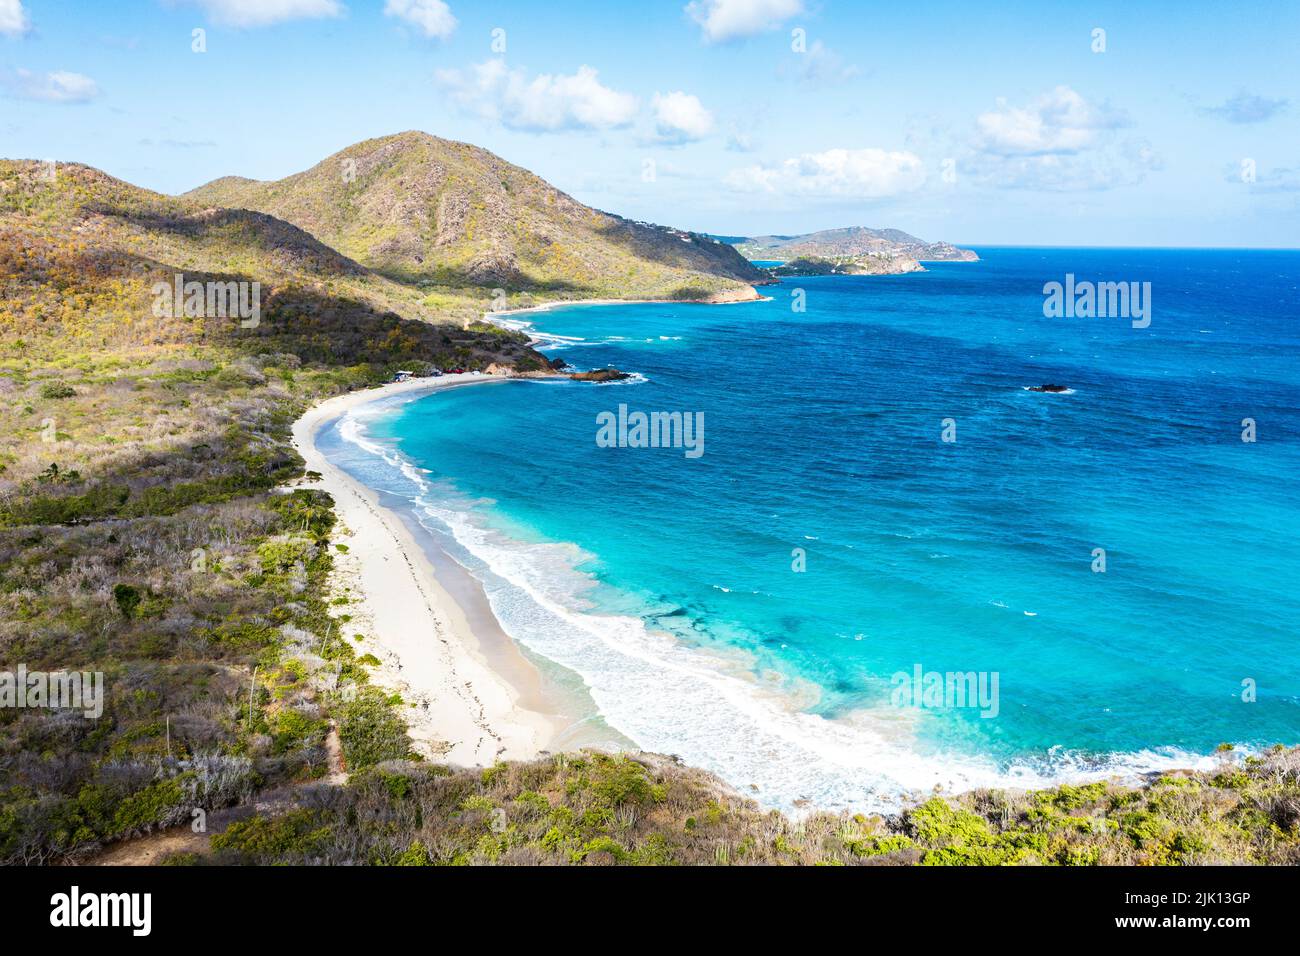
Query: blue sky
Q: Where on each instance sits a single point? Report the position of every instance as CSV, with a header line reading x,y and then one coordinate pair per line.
x,y
977,123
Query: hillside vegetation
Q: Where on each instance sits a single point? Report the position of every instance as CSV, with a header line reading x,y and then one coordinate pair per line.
x,y
427,210
144,529
641,809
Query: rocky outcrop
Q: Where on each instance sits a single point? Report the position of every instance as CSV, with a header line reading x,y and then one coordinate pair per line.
x,y
739,294
600,375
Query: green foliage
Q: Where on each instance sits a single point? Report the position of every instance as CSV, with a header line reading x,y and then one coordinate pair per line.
x,y
371,732
278,556
615,780
296,834
147,807
127,599
415,855
879,845
594,808
293,730
958,837
53,475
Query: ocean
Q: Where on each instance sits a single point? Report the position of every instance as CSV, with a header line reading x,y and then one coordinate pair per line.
x,y
879,502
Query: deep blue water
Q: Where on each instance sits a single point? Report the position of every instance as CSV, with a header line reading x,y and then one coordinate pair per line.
x,y
667,581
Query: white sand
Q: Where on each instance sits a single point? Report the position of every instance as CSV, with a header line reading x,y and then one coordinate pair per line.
x,y
740,299
463,710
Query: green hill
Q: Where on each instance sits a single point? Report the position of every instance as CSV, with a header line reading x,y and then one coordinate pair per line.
x,y
81,254
421,209
143,532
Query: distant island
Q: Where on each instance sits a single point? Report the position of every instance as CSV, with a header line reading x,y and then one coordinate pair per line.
x,y
855,250
871,265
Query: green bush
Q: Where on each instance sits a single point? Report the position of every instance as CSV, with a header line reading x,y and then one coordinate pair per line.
x,y
57,390
296,833
370,732
127,599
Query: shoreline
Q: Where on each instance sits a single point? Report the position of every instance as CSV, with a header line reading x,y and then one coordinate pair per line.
x,y
482,696
566,303
472,695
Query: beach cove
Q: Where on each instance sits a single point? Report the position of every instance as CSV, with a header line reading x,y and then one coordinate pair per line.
x,y
474,698
678,606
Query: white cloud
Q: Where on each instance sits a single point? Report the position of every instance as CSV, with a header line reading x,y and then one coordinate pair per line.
x,y
1060,142
543,103
432,16
1058,122
681,117
57,87
13,18
835,174
261,13
722,20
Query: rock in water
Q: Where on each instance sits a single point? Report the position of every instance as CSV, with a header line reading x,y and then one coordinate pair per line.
x,y
600,375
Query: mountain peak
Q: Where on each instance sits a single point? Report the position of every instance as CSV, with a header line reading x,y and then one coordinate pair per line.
x,y
420,208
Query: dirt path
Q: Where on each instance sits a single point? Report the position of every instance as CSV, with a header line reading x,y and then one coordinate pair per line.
x,y
150,849
338,774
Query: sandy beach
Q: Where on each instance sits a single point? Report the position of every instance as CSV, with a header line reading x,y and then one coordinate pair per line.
x,y
473,697
723,299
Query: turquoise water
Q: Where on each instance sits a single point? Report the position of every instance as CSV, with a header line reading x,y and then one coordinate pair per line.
x,y
668,581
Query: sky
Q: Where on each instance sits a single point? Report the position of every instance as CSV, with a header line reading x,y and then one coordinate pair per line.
x,y
1036,123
